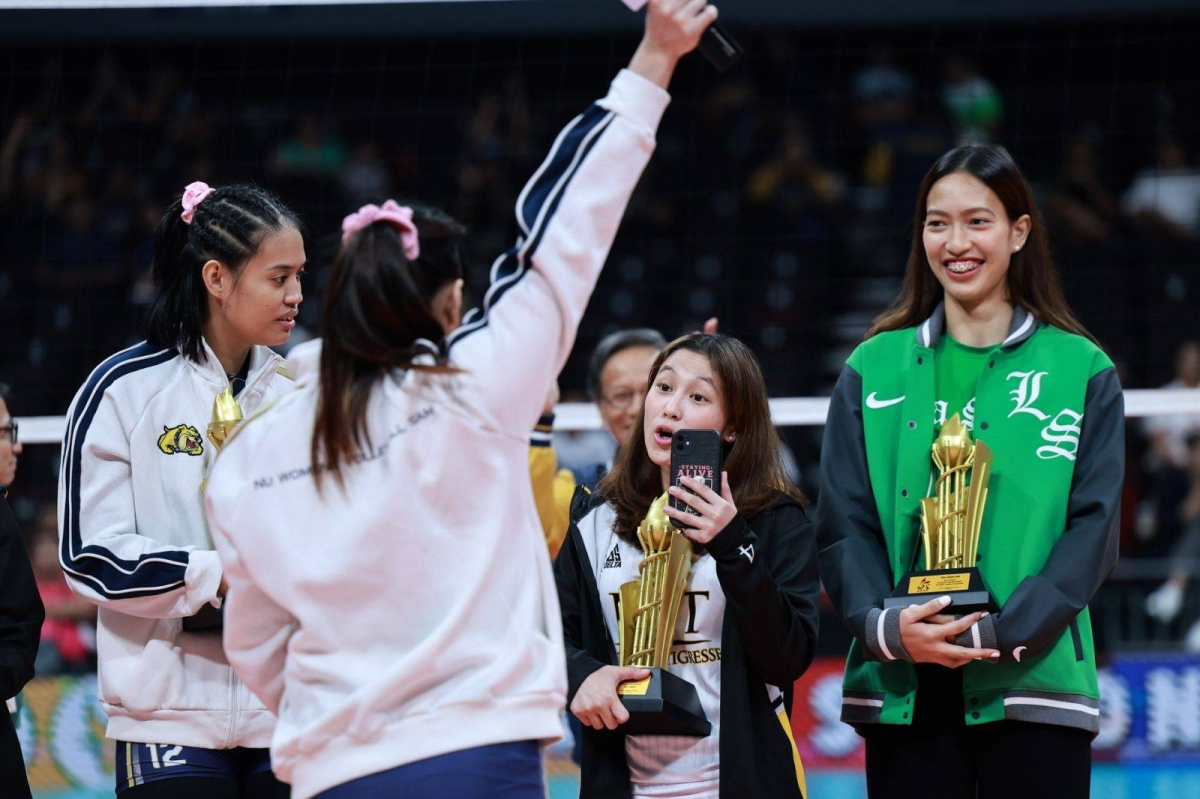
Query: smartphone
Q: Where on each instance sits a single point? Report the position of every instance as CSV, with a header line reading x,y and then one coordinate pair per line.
x,y
695,453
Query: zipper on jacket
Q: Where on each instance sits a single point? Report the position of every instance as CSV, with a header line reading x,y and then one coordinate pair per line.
x,y
233,709
1077,640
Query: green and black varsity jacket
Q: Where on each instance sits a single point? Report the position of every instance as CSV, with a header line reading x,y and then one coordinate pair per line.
x,y
1049,405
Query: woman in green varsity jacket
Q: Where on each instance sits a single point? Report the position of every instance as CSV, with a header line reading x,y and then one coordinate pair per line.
x,y
1000,704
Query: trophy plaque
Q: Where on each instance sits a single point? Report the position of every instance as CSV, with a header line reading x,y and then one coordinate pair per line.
x,y
663,703
950,522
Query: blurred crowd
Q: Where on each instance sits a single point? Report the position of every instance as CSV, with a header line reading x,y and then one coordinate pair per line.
x,y
782,204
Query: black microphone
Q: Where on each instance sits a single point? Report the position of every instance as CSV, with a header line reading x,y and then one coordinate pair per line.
x,y
719,47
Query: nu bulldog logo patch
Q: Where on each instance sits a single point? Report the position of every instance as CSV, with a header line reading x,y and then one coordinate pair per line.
x,y
181,438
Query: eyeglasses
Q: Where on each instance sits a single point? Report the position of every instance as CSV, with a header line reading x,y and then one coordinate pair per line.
x,y
620,400
9,431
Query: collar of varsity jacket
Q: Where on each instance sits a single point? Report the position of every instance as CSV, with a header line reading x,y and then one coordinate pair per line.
x,y
264,364
1024,324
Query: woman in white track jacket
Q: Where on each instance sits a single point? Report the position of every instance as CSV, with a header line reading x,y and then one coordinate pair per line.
x,y
133,538
389,592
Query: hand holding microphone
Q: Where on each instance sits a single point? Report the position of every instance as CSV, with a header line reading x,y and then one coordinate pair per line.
x,y
673,29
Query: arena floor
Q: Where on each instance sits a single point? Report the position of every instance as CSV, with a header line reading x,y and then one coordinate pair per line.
x,y
1109,781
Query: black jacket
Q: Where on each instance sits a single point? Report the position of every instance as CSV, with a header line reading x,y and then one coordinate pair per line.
x,y
769,636
21,616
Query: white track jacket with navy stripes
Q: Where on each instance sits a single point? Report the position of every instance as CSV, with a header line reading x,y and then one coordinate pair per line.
x,y
415,614
133,539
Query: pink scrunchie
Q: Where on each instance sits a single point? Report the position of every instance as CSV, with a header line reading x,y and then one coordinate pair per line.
x,y
193,195
399,215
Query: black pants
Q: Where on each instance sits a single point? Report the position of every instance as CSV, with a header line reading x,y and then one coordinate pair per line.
x,y
254,786
13,782
940,757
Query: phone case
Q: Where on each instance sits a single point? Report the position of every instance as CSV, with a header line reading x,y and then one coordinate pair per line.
x,y
695,453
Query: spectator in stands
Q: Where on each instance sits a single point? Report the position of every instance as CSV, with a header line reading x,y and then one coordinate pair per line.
x,y
1165,198
882,80
1165,603
311,151
112,98
973,102
69,634
21,612
1168,458
80,257
899,147
498,146
795,190
1080,207
365,178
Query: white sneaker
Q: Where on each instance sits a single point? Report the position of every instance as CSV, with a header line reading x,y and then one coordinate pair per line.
x,y
1165,603
1191,641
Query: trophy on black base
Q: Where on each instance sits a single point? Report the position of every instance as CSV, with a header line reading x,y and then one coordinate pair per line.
x,y
663,703
950,522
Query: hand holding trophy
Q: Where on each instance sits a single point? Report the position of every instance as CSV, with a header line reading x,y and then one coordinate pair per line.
x,y
659,703
950,525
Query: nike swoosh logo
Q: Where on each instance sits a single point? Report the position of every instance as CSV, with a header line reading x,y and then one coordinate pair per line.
x,y
873,401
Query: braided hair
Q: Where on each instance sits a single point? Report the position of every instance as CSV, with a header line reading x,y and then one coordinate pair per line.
x,y
229,226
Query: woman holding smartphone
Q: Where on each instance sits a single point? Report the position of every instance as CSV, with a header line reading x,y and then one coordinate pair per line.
x,y
984,705
748,624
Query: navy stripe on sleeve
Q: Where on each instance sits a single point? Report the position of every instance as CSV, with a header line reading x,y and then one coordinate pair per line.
x,y
535,209
111,576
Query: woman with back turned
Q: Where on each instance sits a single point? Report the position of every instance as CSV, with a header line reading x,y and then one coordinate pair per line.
x,y
389,591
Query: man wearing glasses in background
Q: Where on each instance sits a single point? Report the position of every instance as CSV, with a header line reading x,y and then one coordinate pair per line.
x,y
616,382
21,611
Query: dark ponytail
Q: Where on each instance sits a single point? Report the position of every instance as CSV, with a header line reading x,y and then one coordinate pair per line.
x,y
378,317
229,226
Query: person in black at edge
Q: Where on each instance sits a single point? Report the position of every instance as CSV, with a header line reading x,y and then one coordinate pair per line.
x,y
21,612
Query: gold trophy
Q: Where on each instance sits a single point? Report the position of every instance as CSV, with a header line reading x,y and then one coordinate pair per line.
x,y
226,415
950,522
662,703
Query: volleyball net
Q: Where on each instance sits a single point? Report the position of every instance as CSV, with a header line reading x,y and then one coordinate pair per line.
x,y
779,199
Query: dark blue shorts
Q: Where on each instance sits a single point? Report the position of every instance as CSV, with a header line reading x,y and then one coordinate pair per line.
x,y
138,764
510,771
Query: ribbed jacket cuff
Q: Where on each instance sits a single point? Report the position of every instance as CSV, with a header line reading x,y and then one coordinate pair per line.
x,y
883,635
543,433
202,580
980,635
637,99
725,542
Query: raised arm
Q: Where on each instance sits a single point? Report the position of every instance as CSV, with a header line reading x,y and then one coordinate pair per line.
x,y
517,341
